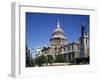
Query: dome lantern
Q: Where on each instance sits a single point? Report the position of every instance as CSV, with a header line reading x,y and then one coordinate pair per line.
x,y
58,24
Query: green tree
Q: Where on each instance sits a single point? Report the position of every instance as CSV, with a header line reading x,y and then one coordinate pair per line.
x,y
29,59
50,59
60,58
40,60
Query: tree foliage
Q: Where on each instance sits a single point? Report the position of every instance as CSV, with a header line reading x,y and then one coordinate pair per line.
x,y
40,60
29,59
50,59
60,58
82,60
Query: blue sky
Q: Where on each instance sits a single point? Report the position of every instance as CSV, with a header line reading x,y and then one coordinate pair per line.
x,y
39,27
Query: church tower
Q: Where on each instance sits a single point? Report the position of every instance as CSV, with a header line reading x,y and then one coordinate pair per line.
x,y
84,50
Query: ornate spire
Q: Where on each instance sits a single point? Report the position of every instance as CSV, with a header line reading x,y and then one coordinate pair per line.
x,y
83,23
58,23
83,29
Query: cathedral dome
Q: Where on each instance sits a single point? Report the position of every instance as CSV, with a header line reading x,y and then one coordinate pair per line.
x,y
58,29
58,32
57,37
